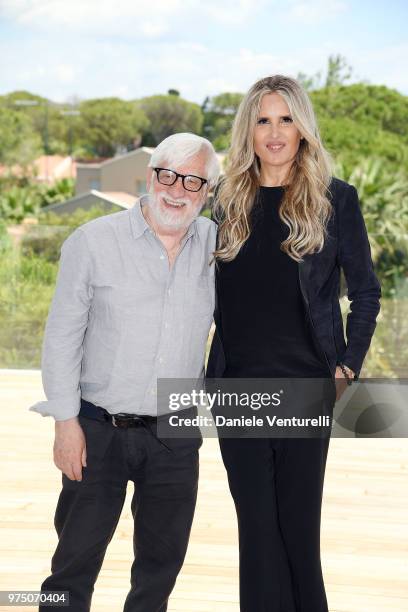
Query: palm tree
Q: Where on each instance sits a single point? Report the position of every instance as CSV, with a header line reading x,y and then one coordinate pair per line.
x,y
384,202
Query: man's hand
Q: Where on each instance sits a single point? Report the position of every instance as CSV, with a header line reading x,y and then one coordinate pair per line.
x,y
70,448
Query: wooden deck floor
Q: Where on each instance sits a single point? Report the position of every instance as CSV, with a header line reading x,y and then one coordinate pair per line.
x,y
364,520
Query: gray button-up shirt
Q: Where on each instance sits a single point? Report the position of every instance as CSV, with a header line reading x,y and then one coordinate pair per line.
x,y
120,318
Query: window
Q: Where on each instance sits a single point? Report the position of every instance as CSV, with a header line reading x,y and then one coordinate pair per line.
x,y
140,187
95,184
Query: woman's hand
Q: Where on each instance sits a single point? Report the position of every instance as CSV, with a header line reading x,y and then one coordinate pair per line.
x,y
341,381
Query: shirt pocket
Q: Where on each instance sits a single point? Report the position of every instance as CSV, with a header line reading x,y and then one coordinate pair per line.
x,y
126,301
204,298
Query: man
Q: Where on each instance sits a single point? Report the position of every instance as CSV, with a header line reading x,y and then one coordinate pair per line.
x,y
133,303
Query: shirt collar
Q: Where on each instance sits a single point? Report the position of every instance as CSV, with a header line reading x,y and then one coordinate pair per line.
x,y
140,225
138,222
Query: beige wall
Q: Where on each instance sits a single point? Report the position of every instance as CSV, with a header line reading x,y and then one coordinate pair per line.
x,y
126,174
88,177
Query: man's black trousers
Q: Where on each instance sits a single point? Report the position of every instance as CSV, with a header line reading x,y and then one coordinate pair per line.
x,y
165,479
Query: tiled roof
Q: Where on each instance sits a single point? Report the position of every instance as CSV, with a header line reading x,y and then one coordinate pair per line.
x,y
47,168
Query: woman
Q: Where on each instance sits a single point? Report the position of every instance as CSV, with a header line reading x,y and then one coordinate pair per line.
x,y
286,228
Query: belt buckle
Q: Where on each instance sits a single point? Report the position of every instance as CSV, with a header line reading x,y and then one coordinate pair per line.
x,y
125,420
115,422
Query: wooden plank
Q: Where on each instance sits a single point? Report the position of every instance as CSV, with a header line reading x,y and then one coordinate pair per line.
x,y
364,526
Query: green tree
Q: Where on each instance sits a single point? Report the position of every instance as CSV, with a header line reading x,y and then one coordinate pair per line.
x,y
338,71
369,105
60,191
56,131
361,120
219,112
109,124
309,82
30,106
17,203
19,144
169,114
383,196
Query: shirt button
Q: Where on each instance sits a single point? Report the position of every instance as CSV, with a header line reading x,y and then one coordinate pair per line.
x,y
161,359
161,256
153,392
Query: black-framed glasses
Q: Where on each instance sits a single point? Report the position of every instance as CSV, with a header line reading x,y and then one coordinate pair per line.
x,y
190,181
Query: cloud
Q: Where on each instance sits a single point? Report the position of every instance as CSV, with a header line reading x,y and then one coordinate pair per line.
x,y
233,11
128,17
64,73
132,68
382,65
93,16
315,12
105,68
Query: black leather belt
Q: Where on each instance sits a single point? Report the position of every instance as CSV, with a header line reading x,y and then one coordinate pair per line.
x,y
121,419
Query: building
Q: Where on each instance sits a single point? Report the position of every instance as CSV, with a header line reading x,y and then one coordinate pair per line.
x,y
107,201
115,182
124,173
45,169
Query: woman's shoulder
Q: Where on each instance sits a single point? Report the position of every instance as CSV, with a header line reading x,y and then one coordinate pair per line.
x,y
338,187
342,194
346,204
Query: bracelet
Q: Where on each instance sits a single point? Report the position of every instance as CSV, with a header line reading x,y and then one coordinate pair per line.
x,y
346,373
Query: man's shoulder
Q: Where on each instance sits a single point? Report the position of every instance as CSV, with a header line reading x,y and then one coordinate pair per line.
x,y
205,225
103,229
100,225
206,232
99,234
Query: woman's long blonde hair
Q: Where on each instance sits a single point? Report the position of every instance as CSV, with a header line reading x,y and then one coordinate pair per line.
x,y
305,207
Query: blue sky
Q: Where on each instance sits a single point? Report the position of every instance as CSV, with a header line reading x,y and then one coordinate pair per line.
x,y
66,49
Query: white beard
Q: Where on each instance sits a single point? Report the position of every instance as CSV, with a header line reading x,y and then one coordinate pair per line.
x,y
164,217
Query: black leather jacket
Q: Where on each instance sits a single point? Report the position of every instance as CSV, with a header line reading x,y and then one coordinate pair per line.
x,y
346,248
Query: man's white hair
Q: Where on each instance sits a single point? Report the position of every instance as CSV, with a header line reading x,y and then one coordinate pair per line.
x,y
177,149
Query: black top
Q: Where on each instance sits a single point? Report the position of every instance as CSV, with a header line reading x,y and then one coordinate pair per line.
x,y
265,332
